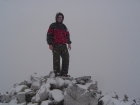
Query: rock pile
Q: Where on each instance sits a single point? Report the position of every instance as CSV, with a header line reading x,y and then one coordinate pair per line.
x,y
51,90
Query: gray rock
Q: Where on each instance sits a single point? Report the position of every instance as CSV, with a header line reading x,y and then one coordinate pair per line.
x,y
80,82
116,97
17,88
35,77
56,83
56,103
46,102
56,95
26,83
35,86
83,80
125,98
67,83
33,99
21,97
42,94
21,88
93,86
29,95
5,98
78,96
43,81
101,103
51,74
46,77
68,78
14,100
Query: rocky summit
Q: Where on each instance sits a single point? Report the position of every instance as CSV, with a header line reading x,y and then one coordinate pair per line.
x,y
51,90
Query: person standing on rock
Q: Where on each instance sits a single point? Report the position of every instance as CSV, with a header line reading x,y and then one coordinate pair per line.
x,y
57,38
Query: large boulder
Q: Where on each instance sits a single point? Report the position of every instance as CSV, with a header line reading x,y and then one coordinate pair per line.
x,y
29,94
13,100
21,97
76,95
5,98
43,93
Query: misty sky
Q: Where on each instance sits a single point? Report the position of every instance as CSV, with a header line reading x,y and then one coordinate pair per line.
x,y
105,37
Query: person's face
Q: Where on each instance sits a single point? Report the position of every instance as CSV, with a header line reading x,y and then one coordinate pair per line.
x,y
59,18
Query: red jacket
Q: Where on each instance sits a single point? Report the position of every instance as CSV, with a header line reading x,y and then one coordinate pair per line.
x,y
58,34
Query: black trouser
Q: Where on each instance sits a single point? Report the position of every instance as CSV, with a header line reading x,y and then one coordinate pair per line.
x,y
60,50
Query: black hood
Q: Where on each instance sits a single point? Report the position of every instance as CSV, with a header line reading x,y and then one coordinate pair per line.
x,y
59,13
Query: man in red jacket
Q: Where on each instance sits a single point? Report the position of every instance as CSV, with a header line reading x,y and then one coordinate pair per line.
x,y
57,38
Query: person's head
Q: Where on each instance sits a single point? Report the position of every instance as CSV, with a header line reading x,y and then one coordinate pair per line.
x,y
59,17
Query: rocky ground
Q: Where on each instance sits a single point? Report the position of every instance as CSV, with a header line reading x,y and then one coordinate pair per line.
x,y
51,90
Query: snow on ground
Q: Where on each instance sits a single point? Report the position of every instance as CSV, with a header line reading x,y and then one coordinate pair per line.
x,y
57,95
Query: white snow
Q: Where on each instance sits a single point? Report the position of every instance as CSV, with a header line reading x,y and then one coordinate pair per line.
x,y
85,86
45,102
67,82
21,88
57,95
59,81
27,90
108,100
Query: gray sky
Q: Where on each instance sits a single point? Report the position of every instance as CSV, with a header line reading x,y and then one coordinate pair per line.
x,y
105,38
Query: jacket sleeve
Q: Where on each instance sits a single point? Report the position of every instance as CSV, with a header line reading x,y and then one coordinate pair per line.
x,y
68,37
49,36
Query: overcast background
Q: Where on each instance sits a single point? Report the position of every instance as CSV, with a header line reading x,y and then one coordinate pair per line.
x,y
105,37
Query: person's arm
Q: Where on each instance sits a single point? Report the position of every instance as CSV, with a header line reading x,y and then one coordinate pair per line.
x,y
49,36
68,36
68,40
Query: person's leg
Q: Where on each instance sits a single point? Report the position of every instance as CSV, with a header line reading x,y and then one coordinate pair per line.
x,y
65,60
56,59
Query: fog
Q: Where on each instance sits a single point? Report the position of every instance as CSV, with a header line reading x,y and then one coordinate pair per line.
x,y
105,41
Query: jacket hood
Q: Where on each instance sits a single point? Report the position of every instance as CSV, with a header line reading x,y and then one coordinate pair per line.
x,y
59,13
